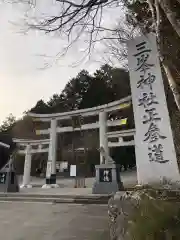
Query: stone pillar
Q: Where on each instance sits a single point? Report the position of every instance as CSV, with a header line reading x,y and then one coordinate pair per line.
x,y
27,168
51,163
107,179
53,145
103,134
154,146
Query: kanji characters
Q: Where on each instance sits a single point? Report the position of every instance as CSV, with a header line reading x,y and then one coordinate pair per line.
x,y
142,56
106,176
156,154
153,134
141,48
151,116
147,100
146,81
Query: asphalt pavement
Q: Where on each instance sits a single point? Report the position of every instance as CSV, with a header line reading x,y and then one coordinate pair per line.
x,y
129,178
42,221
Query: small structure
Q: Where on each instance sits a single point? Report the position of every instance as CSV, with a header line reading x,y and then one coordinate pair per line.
x,y
8,179
107,179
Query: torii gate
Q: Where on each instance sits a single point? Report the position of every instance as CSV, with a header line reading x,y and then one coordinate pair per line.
x,y
42,148
28,151
102,124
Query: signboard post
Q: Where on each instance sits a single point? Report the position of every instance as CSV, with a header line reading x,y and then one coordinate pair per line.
x,y
49,169
155,152
73,170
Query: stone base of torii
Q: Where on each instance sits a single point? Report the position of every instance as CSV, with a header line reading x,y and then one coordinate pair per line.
x,y
107,180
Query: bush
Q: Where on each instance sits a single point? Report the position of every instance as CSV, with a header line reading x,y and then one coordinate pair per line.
x,y
155,219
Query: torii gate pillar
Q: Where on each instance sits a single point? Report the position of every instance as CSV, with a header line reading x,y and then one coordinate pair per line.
x,y
103,134
107,173
51,163
27,168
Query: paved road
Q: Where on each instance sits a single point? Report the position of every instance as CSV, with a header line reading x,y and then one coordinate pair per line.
x,y
129,178
30,221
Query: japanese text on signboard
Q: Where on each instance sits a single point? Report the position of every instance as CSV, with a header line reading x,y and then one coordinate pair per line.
x,y
148,100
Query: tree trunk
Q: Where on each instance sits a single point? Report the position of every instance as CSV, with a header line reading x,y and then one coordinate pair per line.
x,y
173,85
170,78
174,114
175,125
170,14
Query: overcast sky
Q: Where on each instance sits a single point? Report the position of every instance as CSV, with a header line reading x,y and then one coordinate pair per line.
x,y
22,81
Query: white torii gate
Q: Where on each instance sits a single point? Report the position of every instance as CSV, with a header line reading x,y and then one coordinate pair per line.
x,y
102,125
28,151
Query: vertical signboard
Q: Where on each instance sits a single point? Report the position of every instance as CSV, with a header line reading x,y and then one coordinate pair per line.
x,y
73,170
49,169
155,152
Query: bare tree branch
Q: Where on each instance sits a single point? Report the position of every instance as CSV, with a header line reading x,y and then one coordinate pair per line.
x,y
151,6
115,44
76,19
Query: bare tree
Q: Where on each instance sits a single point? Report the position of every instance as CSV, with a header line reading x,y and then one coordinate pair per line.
x,y
73,20
85,19
116,45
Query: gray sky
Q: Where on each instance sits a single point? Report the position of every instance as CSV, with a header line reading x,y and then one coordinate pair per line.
x,y
22,81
